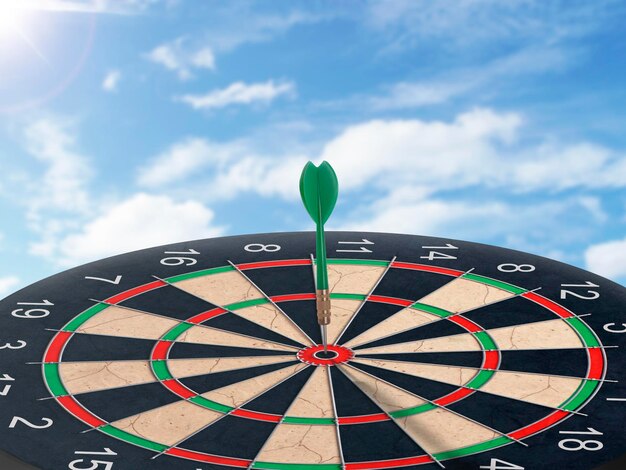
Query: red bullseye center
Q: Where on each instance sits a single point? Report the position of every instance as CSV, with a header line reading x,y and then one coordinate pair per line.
x,y
315,355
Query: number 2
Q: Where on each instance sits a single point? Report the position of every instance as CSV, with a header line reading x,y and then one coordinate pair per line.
x,y
592,294
18,419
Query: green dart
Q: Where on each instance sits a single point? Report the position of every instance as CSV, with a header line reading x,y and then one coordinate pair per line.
x,y
319,190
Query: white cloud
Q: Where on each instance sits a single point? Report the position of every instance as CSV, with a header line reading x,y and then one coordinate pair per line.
x,y
58,198
467,23
111,80
557,167
178,57
182,159
8,285
63,185
450,155
411,209
139,221
119,7
454,83
225,33
240,93
607,259
234,168
478,148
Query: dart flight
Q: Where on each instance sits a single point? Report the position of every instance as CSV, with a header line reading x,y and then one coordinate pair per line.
x,y
319,189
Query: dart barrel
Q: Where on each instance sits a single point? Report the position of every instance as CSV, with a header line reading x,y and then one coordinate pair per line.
x,y
323,306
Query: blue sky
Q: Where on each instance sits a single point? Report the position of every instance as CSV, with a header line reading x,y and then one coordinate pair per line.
x,y
130,123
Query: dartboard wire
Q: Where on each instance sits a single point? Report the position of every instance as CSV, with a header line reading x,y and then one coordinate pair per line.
x,y
556,408
604,359
415,301
227,310
583,340
272,302
143,360
55,397
452,314
391,418
169,350
232,411
199,394
378,281
43,372
337,431
52,397
431,403
277,363
187,322
158,380
282,419
171,341
489,370
357,354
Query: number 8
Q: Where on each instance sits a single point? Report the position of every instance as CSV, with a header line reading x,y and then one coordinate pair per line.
x,y
581,445
523,268
257,247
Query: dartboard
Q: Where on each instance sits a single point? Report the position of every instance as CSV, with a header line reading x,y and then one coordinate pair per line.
x,y
207,355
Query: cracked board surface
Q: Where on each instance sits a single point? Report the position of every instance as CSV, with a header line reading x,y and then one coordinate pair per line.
x,y
450,360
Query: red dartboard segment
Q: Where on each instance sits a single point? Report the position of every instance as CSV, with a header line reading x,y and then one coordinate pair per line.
x,y
53,353
70,404
390,300
274,264
419,460
491,359
426,267
549,304
454,396
544,423
596,363
256,415
135,291
363,419
178,388
201,457
202,317
465,323
161,350
292,297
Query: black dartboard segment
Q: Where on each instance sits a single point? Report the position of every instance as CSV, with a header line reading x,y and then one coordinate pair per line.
x,y
205,355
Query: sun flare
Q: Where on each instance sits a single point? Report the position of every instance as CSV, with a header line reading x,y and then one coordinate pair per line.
x,y
10,18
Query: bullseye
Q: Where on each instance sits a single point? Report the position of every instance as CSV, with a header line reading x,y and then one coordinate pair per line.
x,y
316,356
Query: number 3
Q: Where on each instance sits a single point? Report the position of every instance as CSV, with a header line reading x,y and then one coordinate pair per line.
x,y
21,344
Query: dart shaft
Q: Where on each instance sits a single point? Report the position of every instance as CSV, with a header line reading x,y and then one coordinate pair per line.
x,y
322,293
320,249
